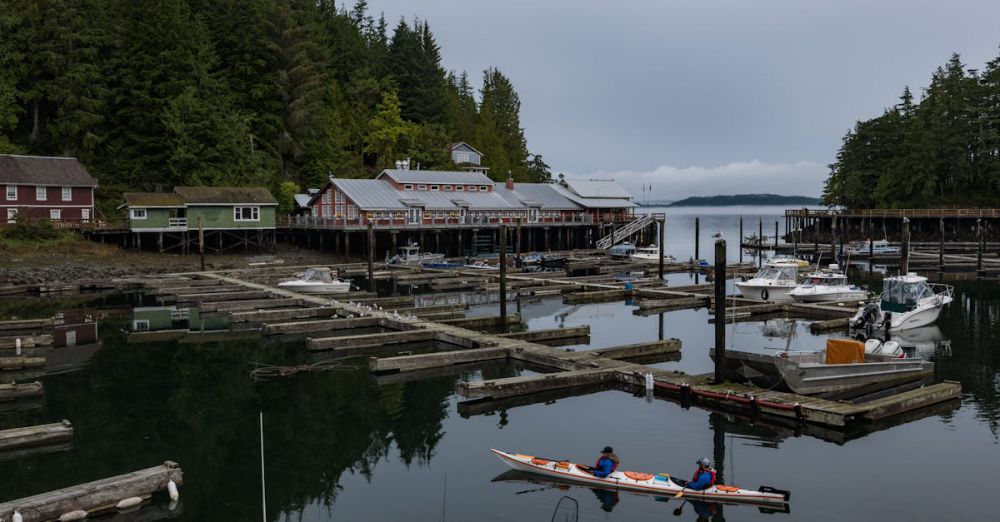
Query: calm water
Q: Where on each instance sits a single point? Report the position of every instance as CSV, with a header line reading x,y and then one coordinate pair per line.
x,y
344,445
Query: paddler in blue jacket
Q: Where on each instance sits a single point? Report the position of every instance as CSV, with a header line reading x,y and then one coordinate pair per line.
x,y
704,476
606,464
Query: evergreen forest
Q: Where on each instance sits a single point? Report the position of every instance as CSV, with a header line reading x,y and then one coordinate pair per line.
x,y
275,93
940,151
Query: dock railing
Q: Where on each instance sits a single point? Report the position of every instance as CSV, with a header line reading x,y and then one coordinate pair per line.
x,y
427,223
896,213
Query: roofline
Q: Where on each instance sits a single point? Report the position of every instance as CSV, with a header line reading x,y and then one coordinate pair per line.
x,y
48,184
456,144
223,204
41,157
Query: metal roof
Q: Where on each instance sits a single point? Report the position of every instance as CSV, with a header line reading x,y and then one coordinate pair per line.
x,y
595,188
542,195
594,202
302,200
435,176
370,193
376,194
43,170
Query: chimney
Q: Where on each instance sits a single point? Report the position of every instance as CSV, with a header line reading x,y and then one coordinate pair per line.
x,y
510,181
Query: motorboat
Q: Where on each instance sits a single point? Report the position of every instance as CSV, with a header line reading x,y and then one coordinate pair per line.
x,y
317,281
622,251
846,365
788,258
410,255
552,261
772,282
877,247
650,254
481,265
661,483
907,301
827,286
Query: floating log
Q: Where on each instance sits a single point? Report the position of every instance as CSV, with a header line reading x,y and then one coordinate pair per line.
x,y
278,315
554,333
320,326
94,497
40,435
26,324
673,304
10,392
27,341
20,363
832,324
408,363
253,304
511,386
357,341
481,323
596,297
640,349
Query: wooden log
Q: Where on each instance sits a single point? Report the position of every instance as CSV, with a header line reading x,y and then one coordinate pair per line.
x,y
596,297
832,324
242,295
320,326
27,341
443,316
195,290
26,324
96,496
428,310
640,350
279,315
554,333
673,304
409,363
179,283
480,323
20,363
512,386
355,341
39,435
255,304
10,392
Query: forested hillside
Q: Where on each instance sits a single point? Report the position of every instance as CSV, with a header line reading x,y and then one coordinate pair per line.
x,y
942,151
242,92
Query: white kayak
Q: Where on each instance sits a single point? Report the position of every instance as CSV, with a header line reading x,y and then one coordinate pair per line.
x,y
661,483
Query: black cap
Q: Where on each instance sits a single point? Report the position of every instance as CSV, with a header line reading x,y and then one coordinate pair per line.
x,y
607,449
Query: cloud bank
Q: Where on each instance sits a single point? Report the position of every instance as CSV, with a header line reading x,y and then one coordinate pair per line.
x,y
804,178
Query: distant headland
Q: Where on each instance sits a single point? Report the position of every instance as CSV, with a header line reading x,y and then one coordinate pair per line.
x,y
744,199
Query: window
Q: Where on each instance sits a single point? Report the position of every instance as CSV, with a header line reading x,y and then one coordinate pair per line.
x,y
459,188
447,188
138,213
407,187
327,196
55,214
472,188
140,325
352,212
421,187
484,188
11,192
41,194
11,214
67,193
85,214
246,213
340,198
435,188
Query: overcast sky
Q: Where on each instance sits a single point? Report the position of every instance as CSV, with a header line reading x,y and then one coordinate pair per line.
x,y
700,97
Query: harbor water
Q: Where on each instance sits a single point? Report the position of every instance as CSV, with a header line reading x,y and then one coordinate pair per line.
x,y
346,445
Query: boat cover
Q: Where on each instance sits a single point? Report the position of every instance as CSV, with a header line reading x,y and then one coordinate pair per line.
x,y
844,351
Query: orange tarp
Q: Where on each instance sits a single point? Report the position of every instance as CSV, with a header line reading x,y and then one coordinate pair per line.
x,y
844,351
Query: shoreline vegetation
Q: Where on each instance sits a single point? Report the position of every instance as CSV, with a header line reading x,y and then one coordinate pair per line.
x,y
737,200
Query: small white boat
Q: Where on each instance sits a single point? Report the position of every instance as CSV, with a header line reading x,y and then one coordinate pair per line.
x,y
907,301
650,254
772,283
788,258
877,247
317,281
410,255
621,251
481,265
827,286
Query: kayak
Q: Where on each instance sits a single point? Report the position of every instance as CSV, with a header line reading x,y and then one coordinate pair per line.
x,y
661,483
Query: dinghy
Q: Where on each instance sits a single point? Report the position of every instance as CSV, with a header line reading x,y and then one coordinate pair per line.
x,y
662,483
317,281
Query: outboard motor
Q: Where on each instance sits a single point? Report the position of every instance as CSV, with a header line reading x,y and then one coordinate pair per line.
x,y
865,317
873,346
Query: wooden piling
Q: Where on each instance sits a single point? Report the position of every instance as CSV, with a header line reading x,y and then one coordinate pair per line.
x,y
741,239
662,223
201,243
697,238
979,246
941,246
503,276
720,309
371,258
905,259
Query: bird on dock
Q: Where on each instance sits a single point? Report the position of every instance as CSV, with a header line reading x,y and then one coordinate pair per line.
x,y
717,235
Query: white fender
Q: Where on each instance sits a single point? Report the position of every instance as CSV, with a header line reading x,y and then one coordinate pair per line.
x,y
17,517
130,502
649,381
73,515
172,490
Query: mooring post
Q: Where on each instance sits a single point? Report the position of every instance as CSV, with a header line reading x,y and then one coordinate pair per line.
x,y
941,247
776,235
697,239
760,241
517,248
663,225
503,276
371,258
201,243
979,247
720,309
905,261
741,239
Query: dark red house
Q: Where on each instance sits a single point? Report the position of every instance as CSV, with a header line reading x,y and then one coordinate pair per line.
x,y
45,187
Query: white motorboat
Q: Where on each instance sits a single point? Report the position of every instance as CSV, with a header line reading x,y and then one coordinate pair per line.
x,y
827,286
650,254
788,258
772,282
877,247
317,281
410,255
621,251
907,301
481,265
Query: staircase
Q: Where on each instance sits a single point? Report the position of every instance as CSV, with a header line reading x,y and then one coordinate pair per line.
x,y
625,231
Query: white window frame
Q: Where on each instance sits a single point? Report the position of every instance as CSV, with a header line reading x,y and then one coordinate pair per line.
x,y
238,214
447,188
11,215
435,188
484,188
55,214
140,325
459,188
11,192
41,193
352,212
85,214
421,187
472,188
67,193
138,213
408,187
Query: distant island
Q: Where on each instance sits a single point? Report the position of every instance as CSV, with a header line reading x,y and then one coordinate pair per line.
x,y
745,199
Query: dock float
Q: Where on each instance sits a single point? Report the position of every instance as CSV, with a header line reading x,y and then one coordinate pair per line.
x,y
13,391
99,496
44,438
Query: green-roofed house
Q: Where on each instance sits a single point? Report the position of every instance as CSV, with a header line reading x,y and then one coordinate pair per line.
x,y
227,216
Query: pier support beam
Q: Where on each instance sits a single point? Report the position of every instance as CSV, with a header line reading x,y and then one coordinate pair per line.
x,y
503,276
720,310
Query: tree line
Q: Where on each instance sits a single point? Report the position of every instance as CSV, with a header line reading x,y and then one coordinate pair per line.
x,y
943,151
280,93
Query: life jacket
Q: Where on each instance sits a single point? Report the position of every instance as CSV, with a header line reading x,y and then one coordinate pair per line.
x,y
710,471
614,462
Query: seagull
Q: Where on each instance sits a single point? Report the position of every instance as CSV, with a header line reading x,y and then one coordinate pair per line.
x,y
717,235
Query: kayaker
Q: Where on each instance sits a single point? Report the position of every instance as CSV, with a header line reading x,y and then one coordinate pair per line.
x,y
704,476
607,464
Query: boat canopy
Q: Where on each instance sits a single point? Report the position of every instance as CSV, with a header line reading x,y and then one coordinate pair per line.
x,y
623,249
317,274
901,294
778,272
826,278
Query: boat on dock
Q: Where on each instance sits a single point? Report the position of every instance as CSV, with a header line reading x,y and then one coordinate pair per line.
x,y
481,265
907,301
789,258
650,254
317,281
660,484
877,247
553,261
622,251
410,255
772,283
827,286
844,366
